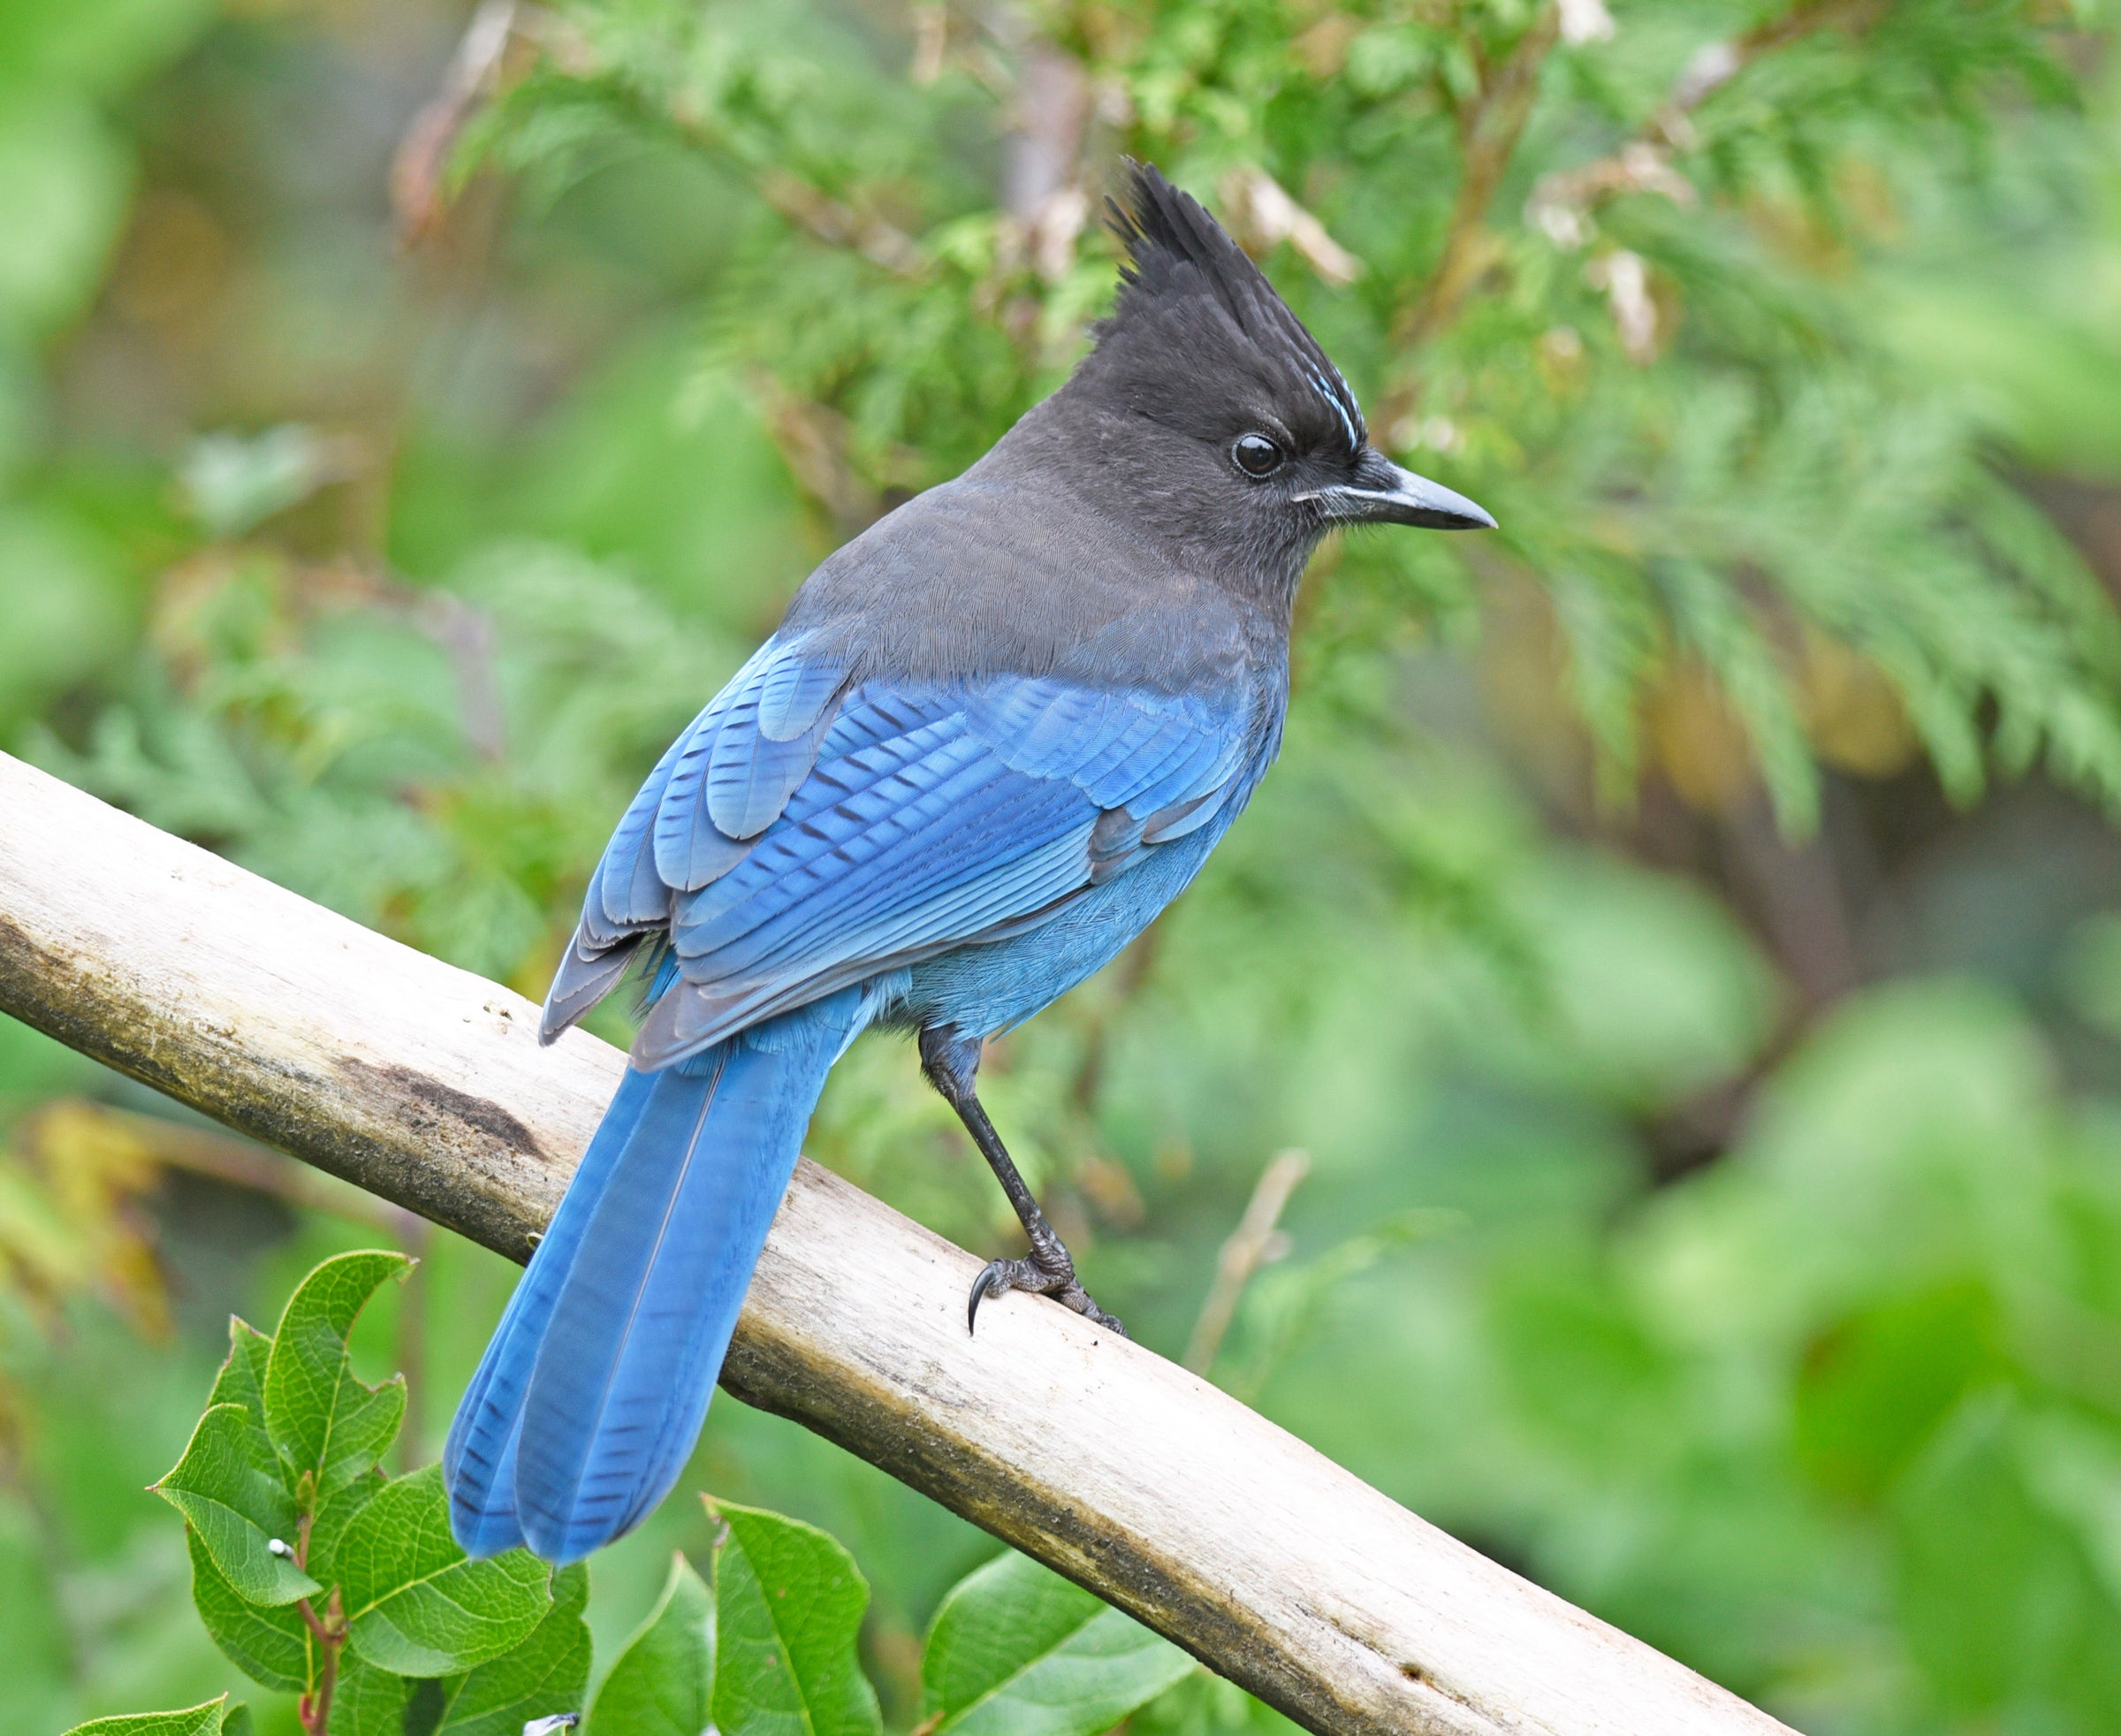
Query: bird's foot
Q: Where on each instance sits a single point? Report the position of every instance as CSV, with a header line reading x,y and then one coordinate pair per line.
x,y
1048,1273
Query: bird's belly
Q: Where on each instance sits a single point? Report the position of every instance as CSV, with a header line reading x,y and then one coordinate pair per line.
x,y
982,989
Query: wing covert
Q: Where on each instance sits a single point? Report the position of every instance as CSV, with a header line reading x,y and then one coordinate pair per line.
x,y
923,818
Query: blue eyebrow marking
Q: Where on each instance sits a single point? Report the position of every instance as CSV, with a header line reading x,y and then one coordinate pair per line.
x,y
1339,408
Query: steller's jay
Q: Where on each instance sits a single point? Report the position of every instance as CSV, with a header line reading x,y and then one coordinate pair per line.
x,y
997,733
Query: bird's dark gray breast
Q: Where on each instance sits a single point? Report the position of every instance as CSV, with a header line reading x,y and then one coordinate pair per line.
x,y
986,578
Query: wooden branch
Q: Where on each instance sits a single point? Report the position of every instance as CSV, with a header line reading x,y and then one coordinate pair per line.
x,y
426,1085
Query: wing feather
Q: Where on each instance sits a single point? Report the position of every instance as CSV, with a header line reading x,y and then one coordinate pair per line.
x,y
799,837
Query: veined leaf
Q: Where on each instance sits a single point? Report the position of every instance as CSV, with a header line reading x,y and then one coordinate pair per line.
x,y
414,1603
1017,1650
241,1381
334,1513
788,1604
211,1720
238,1510
548,1673
269,1645
367,1702
321,1419
663,1684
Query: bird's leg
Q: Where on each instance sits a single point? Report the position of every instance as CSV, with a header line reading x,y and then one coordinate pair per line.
x,y
951,1061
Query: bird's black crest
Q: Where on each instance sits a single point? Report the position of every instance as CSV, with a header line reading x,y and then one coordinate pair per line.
x,y
1176,251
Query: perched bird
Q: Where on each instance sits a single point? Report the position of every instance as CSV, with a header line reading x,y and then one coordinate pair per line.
x,y
996,733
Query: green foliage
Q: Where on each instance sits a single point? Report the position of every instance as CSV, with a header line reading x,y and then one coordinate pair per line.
x,y
328,1426
662,1683
270,1644
787,1607
316,1574
414,1603
1017,1650
548,1673
1723,457
217,1717
383,1627
237,1511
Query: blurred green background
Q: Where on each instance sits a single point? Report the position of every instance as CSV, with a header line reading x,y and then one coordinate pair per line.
x,y
1684,932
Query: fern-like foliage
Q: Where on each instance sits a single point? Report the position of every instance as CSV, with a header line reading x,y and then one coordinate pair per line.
x,y
1619,275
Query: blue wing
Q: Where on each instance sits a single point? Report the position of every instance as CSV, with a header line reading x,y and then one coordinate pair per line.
x,y
801,835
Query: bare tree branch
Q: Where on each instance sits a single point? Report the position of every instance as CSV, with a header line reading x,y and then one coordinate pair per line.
x,y
426,1085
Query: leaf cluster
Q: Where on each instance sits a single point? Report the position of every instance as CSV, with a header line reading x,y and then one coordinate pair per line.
x,y
319,1575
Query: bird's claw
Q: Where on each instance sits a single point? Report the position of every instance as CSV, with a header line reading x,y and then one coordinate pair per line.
x,y
1053,1277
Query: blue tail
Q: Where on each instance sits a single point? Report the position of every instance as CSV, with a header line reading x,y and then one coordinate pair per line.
x,y
589,1399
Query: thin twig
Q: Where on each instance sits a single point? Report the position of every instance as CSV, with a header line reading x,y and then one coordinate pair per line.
x,y
1489,127
1561,201
1252,1244
481,69
421,160
314,1711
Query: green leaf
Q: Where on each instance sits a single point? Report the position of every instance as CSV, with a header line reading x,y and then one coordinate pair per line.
x,y
237,1721
548,1673
367,1702
321,1419
334,1513
64,179
664,1680
788,1604
270,1646
238,1510
207,1720
242,1381
1017,1650
414,1603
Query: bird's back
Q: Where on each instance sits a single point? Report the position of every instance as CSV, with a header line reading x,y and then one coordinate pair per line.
x,y
1020,566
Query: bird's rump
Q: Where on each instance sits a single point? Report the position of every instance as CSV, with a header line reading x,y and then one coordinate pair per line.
x,y
888,822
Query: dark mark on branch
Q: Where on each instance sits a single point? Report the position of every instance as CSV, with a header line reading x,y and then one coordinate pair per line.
x,y
480,1111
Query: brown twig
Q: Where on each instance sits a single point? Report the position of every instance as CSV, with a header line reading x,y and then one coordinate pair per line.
x,y
1255,1242
1561,201
421,160
480,69
836,223
314,1709
813,441
1489,127
1262,214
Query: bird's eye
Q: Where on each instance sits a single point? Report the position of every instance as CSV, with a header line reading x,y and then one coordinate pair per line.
x,y
1256,455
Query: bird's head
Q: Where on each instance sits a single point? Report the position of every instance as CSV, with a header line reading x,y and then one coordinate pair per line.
x,y
1207,401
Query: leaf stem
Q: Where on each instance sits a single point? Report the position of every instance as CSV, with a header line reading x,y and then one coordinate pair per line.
x,y
329,1632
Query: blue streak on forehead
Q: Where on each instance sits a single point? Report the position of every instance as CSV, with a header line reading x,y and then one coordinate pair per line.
x,y
1338,400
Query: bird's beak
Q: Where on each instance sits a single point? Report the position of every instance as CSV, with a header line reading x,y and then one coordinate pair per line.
x,y
1382,494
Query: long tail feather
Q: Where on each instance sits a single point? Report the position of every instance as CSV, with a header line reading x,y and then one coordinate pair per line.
x,y
588,1401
